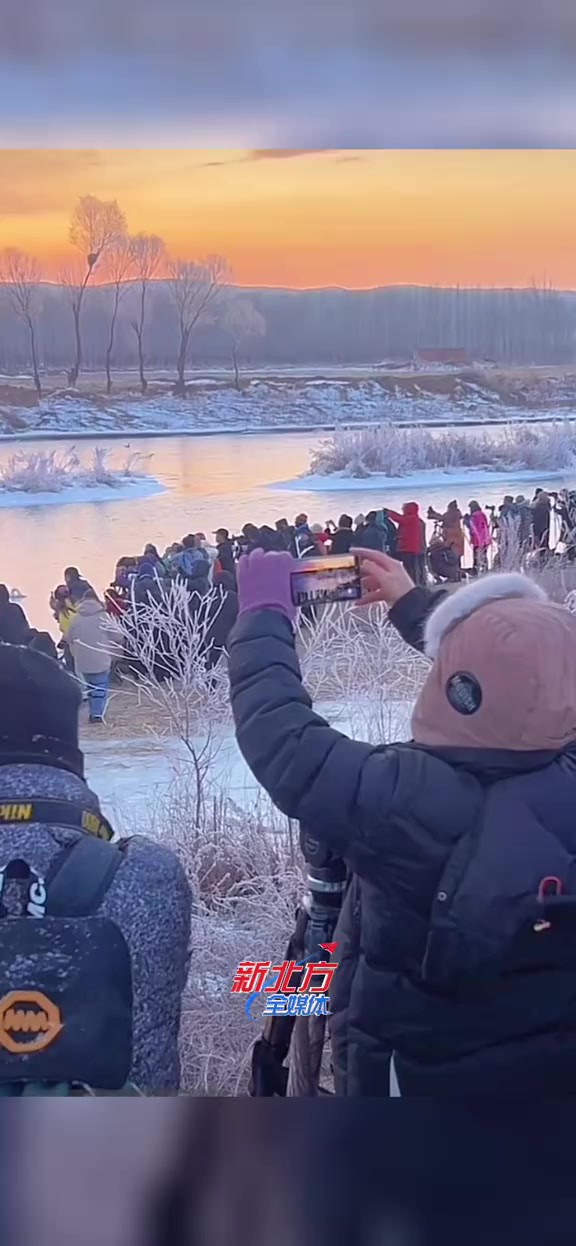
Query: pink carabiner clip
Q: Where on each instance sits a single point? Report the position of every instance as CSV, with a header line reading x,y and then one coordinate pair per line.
x,y
549,886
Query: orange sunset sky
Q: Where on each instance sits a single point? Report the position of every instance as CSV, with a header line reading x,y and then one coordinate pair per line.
x,y
295,218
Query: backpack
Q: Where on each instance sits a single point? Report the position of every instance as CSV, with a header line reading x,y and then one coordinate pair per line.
x,y
66,978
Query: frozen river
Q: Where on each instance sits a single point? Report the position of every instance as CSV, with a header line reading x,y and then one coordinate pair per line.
x,y
210,482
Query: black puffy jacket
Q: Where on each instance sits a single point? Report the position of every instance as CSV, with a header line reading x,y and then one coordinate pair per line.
x,y
439,961
342,541
14,626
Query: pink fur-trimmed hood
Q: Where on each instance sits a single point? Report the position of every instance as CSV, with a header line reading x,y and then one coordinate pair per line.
x,y
504,672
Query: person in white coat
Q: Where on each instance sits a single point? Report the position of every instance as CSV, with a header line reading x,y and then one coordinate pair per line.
x,y
92,636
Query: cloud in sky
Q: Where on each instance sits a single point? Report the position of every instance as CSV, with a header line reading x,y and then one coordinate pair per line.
x,y
212,29
266,75
285,153
276,153
346,100
266,153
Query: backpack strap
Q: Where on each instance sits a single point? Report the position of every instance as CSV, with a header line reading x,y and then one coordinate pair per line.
x,y
79,878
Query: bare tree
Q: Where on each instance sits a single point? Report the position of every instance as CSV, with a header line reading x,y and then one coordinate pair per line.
x,y
119,262
71,279
148,252
21,281
242,321
195,287
96,226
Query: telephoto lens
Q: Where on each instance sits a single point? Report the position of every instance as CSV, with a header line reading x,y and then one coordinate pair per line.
x,y
326,878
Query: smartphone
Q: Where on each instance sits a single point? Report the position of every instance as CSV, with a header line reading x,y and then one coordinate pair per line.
x,y
334,577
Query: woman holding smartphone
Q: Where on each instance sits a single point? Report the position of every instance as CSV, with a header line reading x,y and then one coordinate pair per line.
x,y
454,945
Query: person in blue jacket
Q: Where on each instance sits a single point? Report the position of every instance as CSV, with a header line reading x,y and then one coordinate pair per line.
x,y
456,944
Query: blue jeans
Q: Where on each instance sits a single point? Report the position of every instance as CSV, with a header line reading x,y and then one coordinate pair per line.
x,y
97,686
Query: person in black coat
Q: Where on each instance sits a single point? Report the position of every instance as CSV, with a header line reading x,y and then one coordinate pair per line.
x,y
14,626
286,532
147,585
198,582
223,615
42,642
452,957
541,515
225,551
270,539
249,539
343,538
77,586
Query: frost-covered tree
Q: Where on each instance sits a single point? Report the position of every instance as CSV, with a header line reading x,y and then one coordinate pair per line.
x,y
95,228
119,263
21,285
148,251
242,321
195,286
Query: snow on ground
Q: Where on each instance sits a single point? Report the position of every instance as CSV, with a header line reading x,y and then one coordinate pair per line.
x,y
338,482
133,775
144,488
263,404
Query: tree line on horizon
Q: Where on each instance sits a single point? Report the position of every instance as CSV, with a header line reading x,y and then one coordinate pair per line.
x,y
126,303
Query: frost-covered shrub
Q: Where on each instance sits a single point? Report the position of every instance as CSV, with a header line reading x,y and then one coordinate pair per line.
x,y
247,878
358,668
39,471
243,860
396,451
558,579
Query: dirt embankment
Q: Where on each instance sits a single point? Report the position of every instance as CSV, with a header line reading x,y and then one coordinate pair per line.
x,y
524,387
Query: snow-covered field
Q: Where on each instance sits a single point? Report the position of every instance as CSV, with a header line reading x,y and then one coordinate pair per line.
x,y
263,404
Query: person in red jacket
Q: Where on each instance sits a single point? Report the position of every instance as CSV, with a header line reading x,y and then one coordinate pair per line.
x,y
411,541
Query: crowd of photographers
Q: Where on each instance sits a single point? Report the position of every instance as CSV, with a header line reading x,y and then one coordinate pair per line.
x,y
456,953
502,538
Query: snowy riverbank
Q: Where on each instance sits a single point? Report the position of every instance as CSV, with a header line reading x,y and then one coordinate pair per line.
x,y
340,482
129,491
268,404
51,478
386,456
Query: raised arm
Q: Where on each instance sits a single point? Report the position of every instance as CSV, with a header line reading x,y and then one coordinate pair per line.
x,y
348,791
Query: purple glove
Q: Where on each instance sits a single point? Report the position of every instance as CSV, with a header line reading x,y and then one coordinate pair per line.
x,y
264,583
